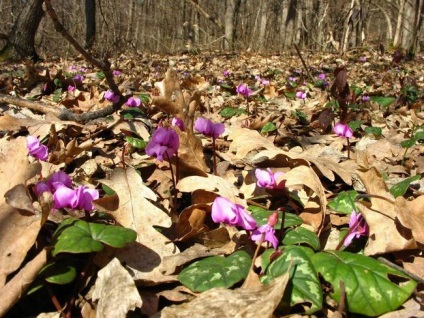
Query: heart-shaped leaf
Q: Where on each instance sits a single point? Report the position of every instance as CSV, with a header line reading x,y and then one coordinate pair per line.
x,y
400,188
216,271
301,235
261,217
383,101
344,202
304,286
60,272
372,288
77,236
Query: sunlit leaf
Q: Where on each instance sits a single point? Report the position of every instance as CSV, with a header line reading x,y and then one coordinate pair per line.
x,y
261,216
301,235
383,101
344,202
401,187
268,127
136,142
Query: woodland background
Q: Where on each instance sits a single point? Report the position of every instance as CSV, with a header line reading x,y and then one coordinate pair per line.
x,y
265,26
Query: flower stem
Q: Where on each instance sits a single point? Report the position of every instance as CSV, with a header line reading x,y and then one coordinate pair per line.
x,y
351,229
174,197
348,148
214,157
255,255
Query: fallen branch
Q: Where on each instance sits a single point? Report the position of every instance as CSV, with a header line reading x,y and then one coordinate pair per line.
x,y
61,113
16,287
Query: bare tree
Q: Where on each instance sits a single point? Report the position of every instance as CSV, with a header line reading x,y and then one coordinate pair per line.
x,y
90,23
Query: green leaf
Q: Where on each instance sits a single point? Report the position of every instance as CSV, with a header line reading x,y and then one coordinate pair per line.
x,y
261,217
57,82
57,95
108,190
229,112
268,127
357,90
419,135
136,142
355,124
370,286
400,188
100,75
344,202
291,95
383,101
225,85
144,98
216,271
376,131
304,286
60,272
77,236
301,235
408,143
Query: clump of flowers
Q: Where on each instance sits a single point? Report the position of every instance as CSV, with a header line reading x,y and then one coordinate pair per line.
x,y
37,149
230,213
244,90
64,196
164,144
267,179
133,102
111,96
266,232
301,95
357,227
210,129
178,122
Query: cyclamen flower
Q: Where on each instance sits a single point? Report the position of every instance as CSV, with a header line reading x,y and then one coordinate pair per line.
x,y
292,79
357,227
267,230
321,76
133,102
78,78
208,128
363,59
268,179
301,95
71,88
365,98
226,73
343,130
111,96
116,72
37,149
227,212
85,197
244,90
178,122
164,144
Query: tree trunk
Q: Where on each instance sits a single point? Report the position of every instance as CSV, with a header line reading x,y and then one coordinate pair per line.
x,y
90,23
20,42
397,39
345,45
229,25
262,25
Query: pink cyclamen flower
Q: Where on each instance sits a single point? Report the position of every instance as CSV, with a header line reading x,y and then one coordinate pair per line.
x,y
208,128
267,230
227,212
178,122
133,102
111,96
58,179
244,90
85,197
357,227
116,72
321,76
343,130
71,88
65,197
365,98
363,59
78,78
301,95
292,79
226,73
164,144
37,149
268,179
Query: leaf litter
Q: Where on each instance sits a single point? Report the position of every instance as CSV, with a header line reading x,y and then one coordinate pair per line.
x,y
269,128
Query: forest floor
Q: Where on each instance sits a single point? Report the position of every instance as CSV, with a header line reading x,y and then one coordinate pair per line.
x,y
158,242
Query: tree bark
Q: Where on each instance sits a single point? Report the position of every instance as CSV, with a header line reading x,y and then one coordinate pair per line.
x,y
20,42
398,32
90,23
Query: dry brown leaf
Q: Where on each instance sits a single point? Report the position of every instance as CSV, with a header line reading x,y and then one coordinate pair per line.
x,y
136,211
238,303
210,183
190,154
115,291
191,222
246,140
411,216
17,231
385,235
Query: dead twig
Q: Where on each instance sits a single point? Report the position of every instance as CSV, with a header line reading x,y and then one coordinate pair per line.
x,y
303,62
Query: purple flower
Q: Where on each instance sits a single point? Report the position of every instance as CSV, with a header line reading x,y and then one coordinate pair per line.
x,y
111,96
83,69
78,78
365,98
164,142
269,232
292,79
71,88
321,76
116,72
267,179
72,68
133,102
65,197
301,95
363,59
264,81
85,197
178,122
227,212
41,187
226,73
244,90
357,227
208,128
37,149
58,179
343,130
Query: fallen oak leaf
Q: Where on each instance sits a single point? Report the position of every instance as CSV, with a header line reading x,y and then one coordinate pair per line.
x,y
411,215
